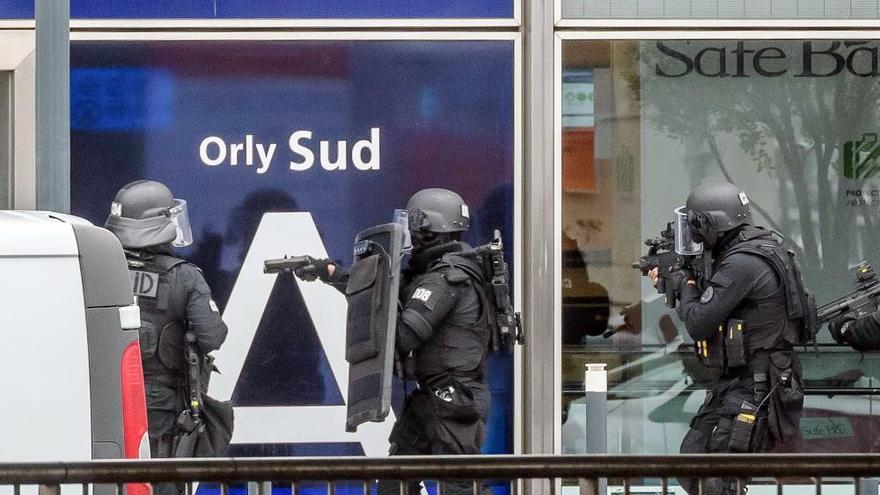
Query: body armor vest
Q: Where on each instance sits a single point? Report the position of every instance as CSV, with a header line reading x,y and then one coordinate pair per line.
x,y
456,348
774,323
163,323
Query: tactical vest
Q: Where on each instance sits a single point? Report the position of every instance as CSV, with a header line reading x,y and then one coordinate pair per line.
x,y
774,323
162,322
457,349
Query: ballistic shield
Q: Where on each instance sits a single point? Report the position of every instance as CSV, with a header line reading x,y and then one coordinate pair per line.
x,y
372,294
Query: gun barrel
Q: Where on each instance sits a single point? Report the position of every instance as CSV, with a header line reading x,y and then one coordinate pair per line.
x,y
285,264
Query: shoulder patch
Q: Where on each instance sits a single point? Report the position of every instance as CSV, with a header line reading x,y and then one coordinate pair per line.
x,y
422,294
707,295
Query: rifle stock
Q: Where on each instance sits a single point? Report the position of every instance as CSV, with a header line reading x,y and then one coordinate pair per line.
x,y
507,320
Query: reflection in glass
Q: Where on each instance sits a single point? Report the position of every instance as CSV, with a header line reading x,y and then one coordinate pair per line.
x,y
794,123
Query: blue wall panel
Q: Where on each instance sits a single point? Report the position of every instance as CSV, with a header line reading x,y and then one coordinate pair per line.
x,y
251,9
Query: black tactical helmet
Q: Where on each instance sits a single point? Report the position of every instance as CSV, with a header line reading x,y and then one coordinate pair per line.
x,y
437,210
143,199
714,209
144,213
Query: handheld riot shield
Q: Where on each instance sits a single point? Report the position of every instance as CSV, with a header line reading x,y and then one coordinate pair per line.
x,y
372,293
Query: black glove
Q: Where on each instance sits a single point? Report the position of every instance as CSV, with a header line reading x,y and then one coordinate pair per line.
x,y
679,279
838,326
316,269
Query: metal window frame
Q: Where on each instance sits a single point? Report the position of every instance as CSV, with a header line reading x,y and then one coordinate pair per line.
x,y
673,24
734,34
18,58
638,35
541,408
511,36
708,24
279,35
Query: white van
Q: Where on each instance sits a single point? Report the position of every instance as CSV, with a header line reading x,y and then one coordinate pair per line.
x,y
72,386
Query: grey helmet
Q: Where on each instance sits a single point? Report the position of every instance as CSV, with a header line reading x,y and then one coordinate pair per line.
x,y
144,213
716,208
437,210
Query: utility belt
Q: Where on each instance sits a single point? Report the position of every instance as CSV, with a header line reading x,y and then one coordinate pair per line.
x,y
429,383
726,349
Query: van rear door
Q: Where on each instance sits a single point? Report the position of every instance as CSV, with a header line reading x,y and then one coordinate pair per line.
x,y
115,371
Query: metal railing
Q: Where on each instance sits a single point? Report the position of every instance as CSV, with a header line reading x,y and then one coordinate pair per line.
x,y
587,471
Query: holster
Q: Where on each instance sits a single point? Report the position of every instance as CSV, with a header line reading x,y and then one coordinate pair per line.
x,y
442,414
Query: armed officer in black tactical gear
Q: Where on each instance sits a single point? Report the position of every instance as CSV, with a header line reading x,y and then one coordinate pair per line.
x,y
173,297
443,327
745,322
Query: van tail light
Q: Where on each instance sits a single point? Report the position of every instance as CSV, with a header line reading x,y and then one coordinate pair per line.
x,y
136,442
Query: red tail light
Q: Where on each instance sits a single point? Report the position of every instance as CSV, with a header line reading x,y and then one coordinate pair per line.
x,y
136,442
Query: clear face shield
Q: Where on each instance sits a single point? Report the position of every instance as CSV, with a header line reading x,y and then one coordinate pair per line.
x,y
179,216
401,217
684,241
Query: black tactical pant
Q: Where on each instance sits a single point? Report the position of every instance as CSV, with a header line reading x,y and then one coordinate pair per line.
x,y
164,405
779,395
430,425
711,431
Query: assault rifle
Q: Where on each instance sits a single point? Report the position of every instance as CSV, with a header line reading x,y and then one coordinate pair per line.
x,y
286,264
863,300
662,255
190,423
507,321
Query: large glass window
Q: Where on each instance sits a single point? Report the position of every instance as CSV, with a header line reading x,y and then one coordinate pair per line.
x,y
795,124
295,148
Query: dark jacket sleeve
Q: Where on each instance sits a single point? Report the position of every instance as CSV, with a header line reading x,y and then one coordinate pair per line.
x,y
427,303
202,312
863,334
339,279
737,278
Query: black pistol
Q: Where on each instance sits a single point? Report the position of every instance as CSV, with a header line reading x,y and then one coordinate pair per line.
x,y
285,264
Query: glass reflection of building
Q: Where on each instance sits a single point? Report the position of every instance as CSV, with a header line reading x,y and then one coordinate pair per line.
x,y
666,116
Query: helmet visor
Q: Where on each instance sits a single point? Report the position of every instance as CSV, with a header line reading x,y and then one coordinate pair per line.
x,y
179,216
685,244
401,217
